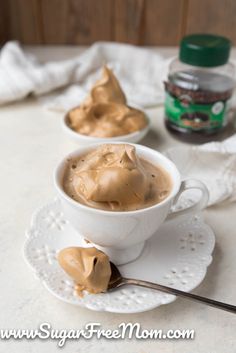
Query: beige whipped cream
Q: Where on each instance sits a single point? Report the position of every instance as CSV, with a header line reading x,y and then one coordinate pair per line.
x,y
113,177
105,112
89,267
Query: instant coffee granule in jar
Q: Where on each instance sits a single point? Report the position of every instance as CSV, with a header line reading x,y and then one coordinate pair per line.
x,y
199,86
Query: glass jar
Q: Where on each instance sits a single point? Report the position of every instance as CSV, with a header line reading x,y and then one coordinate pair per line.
x,y
199,86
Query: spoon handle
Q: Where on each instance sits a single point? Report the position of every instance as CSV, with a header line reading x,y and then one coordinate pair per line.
x,y
180,293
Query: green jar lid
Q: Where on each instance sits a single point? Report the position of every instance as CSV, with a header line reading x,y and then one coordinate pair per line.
x,y
206,50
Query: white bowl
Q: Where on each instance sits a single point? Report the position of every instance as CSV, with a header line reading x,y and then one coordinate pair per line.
x,y
122,234
88,140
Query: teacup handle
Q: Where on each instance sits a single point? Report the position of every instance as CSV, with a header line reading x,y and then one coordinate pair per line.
x,y
198,206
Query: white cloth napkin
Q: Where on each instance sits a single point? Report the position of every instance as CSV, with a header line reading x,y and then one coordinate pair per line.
x,y
213,163
140,71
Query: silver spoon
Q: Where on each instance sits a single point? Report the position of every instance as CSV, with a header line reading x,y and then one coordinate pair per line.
x,y
117,280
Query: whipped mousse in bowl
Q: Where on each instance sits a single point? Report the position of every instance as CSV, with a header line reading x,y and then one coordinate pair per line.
x,y
105,115
117,195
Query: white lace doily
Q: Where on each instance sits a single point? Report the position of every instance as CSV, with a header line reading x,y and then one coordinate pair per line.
x,y
177,256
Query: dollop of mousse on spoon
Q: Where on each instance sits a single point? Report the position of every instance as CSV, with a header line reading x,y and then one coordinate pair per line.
x,y
113,177
105,112
88,267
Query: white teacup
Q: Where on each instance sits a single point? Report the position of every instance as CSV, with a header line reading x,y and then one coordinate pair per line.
x,y
121,235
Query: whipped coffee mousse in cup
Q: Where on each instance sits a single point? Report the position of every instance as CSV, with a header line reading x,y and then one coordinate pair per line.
x,y
105,115
117,195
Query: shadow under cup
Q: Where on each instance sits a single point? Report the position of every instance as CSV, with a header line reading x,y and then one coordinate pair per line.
x,y
121,235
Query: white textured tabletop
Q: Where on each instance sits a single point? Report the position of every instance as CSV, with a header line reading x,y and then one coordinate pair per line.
x,y
32,142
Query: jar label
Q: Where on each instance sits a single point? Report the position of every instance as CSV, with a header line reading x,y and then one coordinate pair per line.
x,y
183,112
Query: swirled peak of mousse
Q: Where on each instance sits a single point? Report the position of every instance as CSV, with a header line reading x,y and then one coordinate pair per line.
x,y
107,89
113,177
105,112
89,267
